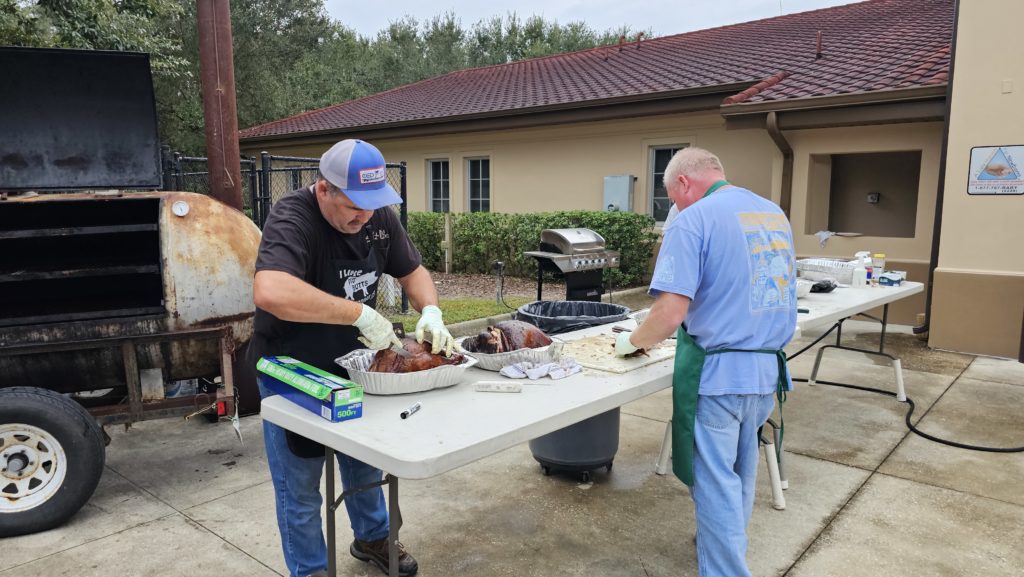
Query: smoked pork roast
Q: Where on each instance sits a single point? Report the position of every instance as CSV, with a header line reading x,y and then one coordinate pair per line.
x,y
507,336
388,361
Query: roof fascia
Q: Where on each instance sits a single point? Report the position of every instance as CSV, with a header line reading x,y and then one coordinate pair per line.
x,y
863,115
835,101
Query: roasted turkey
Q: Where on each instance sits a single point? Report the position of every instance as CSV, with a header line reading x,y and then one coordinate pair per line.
x,y
388,361
507,336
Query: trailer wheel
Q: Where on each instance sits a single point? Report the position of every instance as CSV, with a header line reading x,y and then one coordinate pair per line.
x,y
51,459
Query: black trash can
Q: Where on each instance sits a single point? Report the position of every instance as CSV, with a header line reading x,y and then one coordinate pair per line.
x,y
591,443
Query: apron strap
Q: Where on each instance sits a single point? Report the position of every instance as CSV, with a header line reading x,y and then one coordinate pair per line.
x,y
780,386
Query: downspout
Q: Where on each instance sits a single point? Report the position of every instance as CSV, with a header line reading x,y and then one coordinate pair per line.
x,y
786,194
941,192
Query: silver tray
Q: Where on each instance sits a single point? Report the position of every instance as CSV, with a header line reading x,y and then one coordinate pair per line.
x,y
495,361
358,362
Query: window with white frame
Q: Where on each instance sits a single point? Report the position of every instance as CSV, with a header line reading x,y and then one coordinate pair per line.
x,y
478,171
660,202
440,186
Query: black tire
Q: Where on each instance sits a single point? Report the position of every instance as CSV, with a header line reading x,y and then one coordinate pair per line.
x,y
77,441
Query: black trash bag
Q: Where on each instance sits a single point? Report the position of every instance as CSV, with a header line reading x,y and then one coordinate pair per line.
x,y
554,317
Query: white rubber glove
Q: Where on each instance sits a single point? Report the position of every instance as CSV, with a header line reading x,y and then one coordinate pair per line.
x,y
440,339
377,331
623,346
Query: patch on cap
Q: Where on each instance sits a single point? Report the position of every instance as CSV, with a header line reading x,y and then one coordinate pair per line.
x,y
371,175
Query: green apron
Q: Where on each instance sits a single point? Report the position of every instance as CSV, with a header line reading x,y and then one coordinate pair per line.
x,y
689,364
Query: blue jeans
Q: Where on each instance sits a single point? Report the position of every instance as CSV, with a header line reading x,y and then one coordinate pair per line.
x,y
297,494
724,470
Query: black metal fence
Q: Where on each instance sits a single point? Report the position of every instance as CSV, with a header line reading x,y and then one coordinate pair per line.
x,y
269,181
265,183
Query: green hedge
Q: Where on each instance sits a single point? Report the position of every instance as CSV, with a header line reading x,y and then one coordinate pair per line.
x,y
480,238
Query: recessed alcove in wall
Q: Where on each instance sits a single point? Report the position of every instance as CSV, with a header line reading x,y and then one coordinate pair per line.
x,y
874,193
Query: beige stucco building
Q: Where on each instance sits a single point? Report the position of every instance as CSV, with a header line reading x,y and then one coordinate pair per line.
x,y
978,293
821,112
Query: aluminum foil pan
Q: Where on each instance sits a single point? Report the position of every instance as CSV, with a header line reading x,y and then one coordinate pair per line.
x,y
358,362
494,362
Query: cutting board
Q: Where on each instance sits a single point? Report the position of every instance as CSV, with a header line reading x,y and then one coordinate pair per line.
x,y
598,352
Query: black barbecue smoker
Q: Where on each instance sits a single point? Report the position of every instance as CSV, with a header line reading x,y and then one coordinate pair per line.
x,y
119,302
579,256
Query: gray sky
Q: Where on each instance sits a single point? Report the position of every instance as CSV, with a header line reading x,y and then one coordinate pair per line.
x,y
663,17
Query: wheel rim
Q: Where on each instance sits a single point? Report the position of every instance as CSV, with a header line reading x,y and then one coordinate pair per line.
x,y
32,467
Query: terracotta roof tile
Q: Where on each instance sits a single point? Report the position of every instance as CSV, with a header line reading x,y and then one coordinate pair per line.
x,y
872,45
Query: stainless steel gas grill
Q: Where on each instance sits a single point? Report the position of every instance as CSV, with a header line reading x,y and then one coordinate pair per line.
x,y
578,255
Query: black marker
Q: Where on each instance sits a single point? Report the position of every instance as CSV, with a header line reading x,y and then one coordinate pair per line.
x,y
410,410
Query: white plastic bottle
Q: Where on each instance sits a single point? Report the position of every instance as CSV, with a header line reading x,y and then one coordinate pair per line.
x,y
860,276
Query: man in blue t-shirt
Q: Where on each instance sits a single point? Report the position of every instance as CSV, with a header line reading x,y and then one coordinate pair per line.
x,y
725,283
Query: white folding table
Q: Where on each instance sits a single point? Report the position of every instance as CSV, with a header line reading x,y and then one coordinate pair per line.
x,y
458,425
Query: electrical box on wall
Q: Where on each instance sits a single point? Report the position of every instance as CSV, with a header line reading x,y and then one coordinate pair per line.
x,y
618,192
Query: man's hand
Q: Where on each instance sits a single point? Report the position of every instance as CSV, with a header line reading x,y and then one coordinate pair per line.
x,y
440,338
623,346
377,331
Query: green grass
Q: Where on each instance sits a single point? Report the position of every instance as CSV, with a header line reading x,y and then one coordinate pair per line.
x,y
458,310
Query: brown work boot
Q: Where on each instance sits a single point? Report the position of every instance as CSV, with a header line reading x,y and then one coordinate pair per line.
x,y
376,552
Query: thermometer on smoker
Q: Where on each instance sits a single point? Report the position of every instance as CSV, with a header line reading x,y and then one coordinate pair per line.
x,y
497,387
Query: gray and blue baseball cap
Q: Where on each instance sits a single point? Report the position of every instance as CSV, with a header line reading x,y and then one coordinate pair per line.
x,y
359,170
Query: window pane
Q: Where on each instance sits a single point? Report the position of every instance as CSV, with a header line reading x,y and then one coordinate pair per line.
x,y
485,206
485,189
660,202
445,207
661,158
439,186
474,169
485,168
661,208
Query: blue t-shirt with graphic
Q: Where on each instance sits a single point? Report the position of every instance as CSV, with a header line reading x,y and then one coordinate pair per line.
x,y
732,254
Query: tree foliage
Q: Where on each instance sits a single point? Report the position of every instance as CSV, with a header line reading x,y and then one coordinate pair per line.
x,y
289,55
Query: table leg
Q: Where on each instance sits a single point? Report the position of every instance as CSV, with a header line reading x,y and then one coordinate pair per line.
x,y
661,467
901,393
332,563
817,363
778,499
780,453
332,508
394,524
